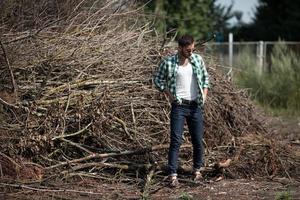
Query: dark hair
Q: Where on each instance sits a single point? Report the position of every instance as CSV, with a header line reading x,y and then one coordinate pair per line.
x,y
185,40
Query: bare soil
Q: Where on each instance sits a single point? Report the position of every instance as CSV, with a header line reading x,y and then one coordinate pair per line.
x,y
226,189
231,189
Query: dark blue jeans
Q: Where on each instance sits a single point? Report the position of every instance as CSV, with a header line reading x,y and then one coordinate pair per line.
x,y
193,116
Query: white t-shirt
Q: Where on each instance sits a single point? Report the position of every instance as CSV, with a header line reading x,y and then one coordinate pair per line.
x,y
186,83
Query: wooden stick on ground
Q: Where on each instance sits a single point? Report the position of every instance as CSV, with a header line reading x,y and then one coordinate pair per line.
x,y
72,134
44,189
76,145
106,155
146,190
10,70
8,104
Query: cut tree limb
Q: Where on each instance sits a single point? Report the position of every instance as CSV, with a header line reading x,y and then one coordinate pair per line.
x,y
72,134
106,155
76,145
8,104
146,190
10,70
225,164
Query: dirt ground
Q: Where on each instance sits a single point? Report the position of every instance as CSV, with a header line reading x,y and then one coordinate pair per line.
x,y
226,189
287,129
231,189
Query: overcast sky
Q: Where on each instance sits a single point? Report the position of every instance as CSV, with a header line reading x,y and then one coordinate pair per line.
x,y
246,6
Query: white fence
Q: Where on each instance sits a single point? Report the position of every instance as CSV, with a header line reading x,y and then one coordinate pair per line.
x,y
229,53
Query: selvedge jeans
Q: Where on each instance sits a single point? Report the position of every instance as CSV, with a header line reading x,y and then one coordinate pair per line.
x,y
193,115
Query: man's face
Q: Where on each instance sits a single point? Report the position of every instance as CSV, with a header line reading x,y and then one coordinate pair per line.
x,y
186,51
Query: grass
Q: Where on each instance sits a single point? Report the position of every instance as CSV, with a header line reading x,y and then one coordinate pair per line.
x,y
185,196
277,90
285,195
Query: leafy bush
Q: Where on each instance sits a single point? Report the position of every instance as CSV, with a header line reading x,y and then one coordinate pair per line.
x,y
279,88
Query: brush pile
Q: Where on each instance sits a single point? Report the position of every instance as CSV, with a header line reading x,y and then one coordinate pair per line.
x,y
83,101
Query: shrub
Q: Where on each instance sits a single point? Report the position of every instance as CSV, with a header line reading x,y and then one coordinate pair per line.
x,y
279,88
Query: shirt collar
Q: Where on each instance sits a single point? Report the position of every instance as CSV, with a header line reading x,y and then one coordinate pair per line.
x,y
193,59
177,58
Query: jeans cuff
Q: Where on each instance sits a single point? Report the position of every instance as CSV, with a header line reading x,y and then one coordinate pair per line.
x,y
173,174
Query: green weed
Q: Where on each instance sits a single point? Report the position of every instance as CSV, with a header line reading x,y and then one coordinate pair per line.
x,y
286,195
185,196
278,89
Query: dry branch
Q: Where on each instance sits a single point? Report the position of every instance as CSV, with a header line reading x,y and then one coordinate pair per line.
x,y
106,155
13,82
76,145
45,189
73,134
147,186
8,104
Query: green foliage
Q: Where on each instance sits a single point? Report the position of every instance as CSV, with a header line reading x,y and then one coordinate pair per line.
x,y
247,73
222,15
185,196
273,20
286,195
192,17
278,89
285,71
199,18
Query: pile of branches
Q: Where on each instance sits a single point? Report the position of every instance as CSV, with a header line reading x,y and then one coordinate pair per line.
x,y
77,94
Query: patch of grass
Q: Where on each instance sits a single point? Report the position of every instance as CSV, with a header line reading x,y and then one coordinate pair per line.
x,y
278,89
185,196
286,195
281,112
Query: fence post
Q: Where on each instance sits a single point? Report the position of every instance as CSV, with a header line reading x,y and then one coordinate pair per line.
x,y
230,49
260,56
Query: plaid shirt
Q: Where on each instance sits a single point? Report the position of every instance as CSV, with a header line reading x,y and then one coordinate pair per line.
x,y
165,77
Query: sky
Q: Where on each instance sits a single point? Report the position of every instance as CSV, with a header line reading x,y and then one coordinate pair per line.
x,y
246,6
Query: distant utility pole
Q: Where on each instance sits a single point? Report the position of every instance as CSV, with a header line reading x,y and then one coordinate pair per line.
x,y
230,48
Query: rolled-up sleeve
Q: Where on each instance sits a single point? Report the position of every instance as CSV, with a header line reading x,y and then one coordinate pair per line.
x,y
160,77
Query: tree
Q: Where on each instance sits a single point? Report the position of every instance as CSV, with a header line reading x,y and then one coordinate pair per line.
x,y
273,20
199,18
222,15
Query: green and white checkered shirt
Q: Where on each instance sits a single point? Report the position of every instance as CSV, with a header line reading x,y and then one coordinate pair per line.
x,y
165,77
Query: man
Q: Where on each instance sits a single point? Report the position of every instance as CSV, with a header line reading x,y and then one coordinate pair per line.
x,y
184,79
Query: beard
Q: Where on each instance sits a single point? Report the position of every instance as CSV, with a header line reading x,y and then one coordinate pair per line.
x,y
185,54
